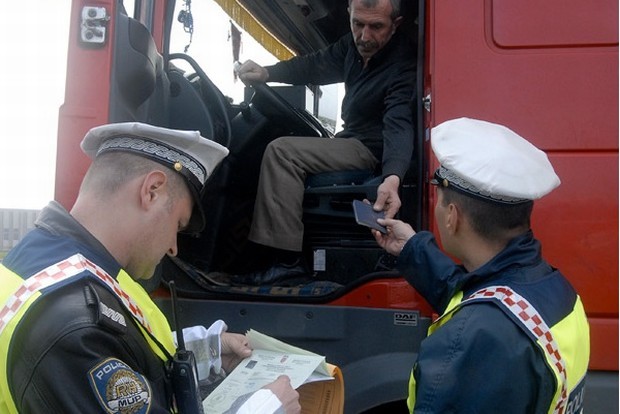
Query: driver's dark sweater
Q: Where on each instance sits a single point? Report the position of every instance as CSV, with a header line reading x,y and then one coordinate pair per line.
x,y
377,107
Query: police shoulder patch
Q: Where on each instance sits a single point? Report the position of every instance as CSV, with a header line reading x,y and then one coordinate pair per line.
x,y
120,389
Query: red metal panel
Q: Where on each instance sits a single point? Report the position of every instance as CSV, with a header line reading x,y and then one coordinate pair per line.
x,y
86,104
578,227
535,23
559,98
603,344
386,293
558,88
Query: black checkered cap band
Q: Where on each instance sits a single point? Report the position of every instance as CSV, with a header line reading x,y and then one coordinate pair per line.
x,y
445,177
156,151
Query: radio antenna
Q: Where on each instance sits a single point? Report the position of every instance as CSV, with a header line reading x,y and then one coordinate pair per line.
x,y
175,320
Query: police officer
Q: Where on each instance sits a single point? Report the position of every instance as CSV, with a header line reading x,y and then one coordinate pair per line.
x,y
512,336
78,334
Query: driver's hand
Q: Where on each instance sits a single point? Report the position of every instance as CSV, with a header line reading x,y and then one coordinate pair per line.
x,y
387,196
251,72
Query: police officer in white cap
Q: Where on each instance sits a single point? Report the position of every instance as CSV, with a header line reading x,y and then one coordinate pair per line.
x,y
78,334
512,336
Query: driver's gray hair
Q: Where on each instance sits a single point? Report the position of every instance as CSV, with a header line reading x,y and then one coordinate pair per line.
x,y
373,3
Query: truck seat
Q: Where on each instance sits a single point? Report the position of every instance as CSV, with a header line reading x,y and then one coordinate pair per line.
x,y
140,86
331,193
328,211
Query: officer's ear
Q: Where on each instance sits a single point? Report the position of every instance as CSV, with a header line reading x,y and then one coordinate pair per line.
x,y
454,218
152,188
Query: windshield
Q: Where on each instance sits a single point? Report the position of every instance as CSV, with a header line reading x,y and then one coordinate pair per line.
x,y
205,32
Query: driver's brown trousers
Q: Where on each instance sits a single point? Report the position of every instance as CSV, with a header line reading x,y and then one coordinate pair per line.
x,y
278,207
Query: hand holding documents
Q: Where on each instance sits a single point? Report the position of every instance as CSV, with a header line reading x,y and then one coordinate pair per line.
x,y
320,385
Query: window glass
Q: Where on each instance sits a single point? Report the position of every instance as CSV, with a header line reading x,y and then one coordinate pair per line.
x,y
207,36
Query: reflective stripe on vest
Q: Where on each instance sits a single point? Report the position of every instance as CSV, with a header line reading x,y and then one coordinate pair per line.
x,y
530,319
60,272
20,293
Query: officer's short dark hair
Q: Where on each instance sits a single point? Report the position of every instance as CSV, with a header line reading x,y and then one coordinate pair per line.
x,y
491,220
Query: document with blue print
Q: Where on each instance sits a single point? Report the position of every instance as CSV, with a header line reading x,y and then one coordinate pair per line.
x,y
270,359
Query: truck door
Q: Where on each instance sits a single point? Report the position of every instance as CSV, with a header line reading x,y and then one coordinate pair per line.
x,y
550,72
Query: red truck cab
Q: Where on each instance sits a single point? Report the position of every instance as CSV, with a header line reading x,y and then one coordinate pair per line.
x,y
547,70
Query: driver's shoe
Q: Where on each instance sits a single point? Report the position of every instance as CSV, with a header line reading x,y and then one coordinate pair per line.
x,y
277,273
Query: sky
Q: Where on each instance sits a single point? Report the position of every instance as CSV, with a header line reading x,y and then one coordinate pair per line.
x,y
32,90
33,41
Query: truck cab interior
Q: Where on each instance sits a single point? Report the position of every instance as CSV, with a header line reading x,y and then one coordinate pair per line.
x,y
171,89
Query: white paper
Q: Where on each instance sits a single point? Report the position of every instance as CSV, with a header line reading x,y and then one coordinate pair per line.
x,y
270,359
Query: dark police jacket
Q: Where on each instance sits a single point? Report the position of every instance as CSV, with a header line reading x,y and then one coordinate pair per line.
x,y
482,355
78,345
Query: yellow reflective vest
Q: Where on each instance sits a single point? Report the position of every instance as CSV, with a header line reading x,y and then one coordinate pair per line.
x,y
565,345
18,294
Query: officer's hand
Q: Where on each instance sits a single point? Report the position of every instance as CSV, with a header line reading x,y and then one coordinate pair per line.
x,y
251,72
387,196
288,396
235,348
398,232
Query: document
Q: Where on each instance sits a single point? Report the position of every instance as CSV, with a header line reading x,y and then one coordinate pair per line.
x,y
320,385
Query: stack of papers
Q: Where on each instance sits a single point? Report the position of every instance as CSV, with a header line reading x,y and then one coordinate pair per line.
x,y
323,391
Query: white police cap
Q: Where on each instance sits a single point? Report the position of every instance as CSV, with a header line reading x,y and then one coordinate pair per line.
x,y
186,152
491,162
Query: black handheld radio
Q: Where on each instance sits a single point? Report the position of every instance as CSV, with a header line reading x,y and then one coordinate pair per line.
x,y
183,370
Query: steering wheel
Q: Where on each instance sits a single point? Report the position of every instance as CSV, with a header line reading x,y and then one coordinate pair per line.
x,y
216,100
273,105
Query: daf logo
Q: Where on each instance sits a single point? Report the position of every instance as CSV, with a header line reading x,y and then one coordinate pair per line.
x,y
406,318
